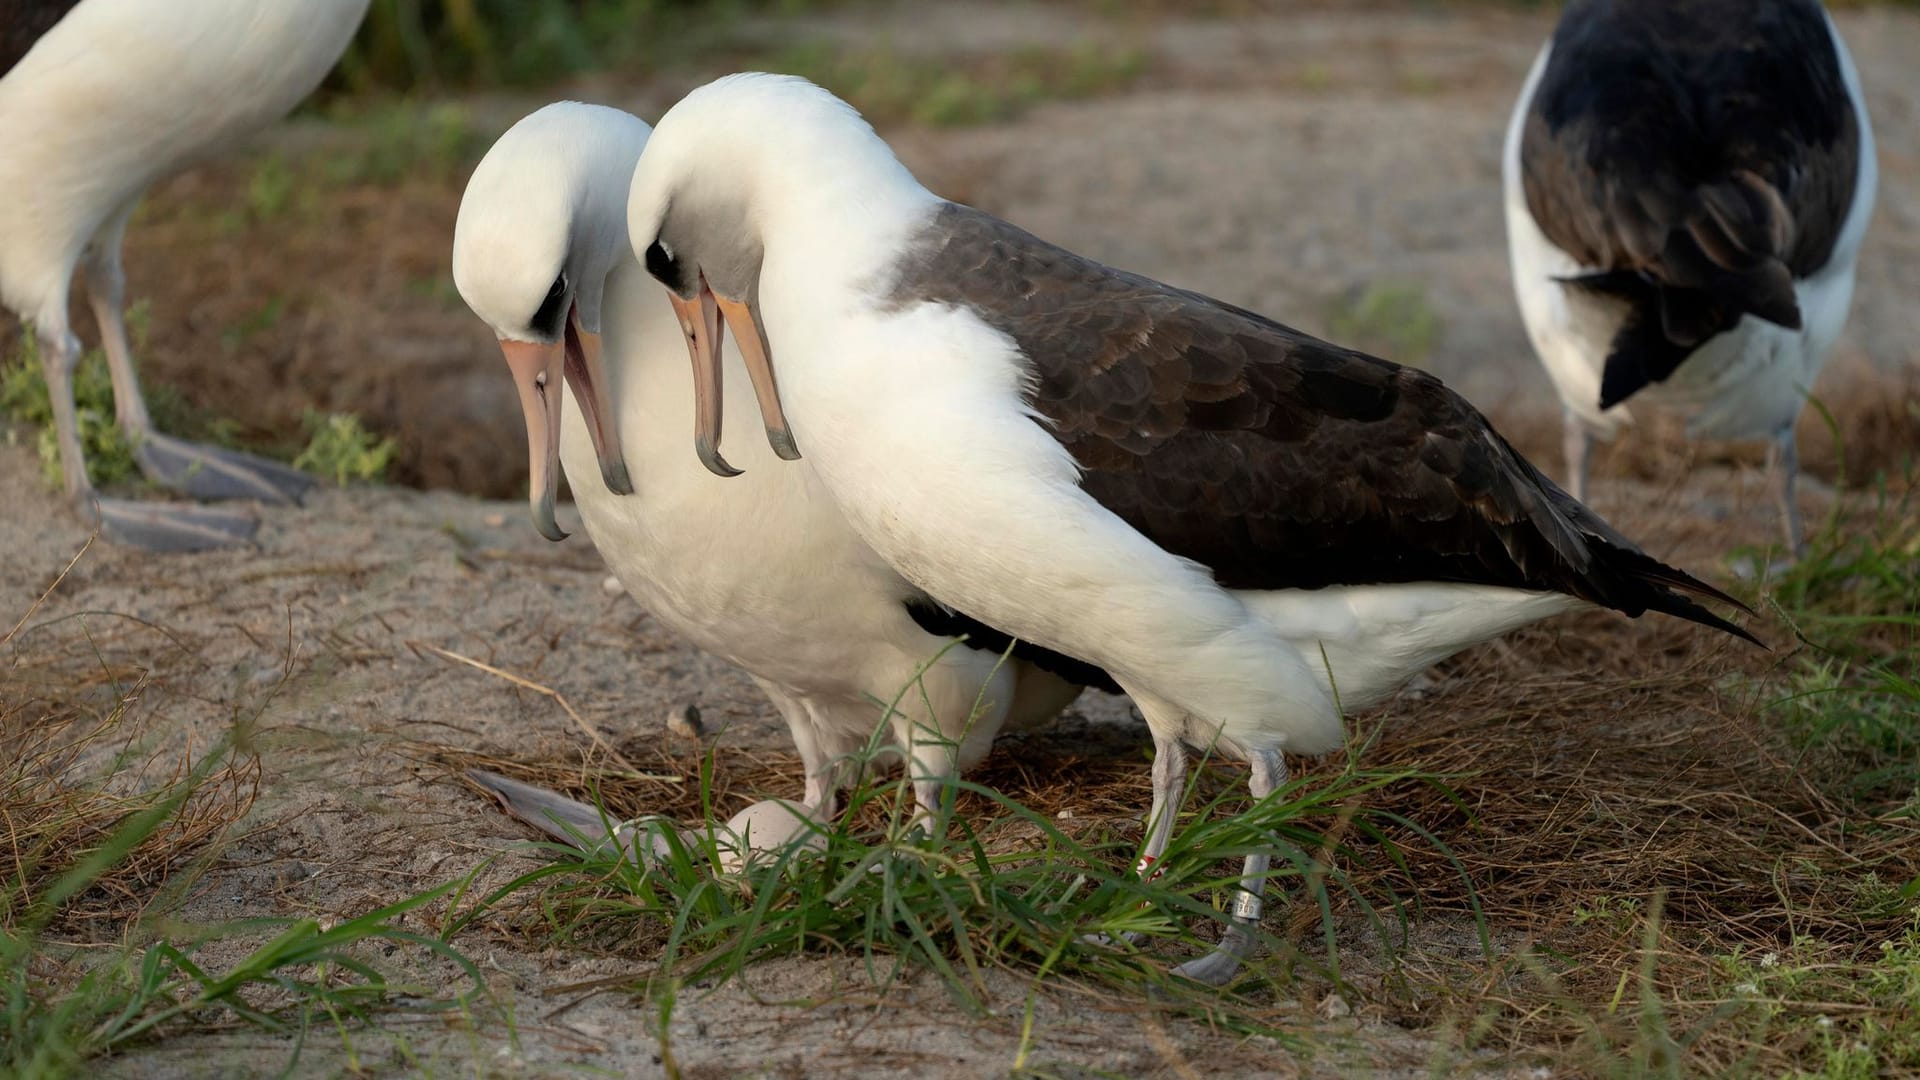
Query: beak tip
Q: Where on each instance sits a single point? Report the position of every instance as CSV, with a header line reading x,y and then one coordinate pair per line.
x,y
550,529
710,457
783,445
616,477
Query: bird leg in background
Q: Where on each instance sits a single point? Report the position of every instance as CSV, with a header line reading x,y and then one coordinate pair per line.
x,y
1783,457
1576,442
203,472
153,526
1268,775
59,353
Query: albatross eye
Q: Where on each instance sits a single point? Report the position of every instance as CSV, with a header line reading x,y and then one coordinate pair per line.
x,y
662,265
546,321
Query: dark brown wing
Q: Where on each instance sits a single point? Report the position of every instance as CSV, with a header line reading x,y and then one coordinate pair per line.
x,y
1700,156
24,22
1275,459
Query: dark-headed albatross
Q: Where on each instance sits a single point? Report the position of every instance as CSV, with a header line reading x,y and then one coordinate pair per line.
x,y
99,99
1687,184
1197,500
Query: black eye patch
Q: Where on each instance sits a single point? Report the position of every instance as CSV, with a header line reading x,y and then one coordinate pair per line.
x,y
662,265
546,321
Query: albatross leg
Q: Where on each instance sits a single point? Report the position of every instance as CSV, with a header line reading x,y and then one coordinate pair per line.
x,y
1215,968
1576,442
1169,784
1783,457
147,525
204,472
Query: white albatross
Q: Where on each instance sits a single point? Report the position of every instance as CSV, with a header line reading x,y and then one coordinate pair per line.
x,y
1198,500
98,100
761,571
1687,185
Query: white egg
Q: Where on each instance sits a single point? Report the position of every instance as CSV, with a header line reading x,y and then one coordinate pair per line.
x,y
764,830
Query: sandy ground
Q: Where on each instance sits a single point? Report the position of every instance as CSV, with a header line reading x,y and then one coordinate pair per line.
x,y
1282,161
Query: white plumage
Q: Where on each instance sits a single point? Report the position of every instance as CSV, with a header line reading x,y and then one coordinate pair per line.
x,y
761,570
118,94
926,419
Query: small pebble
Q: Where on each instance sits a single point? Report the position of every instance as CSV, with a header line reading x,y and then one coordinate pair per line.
x,y
684,721
495,521
1064,815
611,585
1333,1007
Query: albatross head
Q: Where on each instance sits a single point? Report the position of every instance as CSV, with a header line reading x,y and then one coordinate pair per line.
x,y
542,223
735,164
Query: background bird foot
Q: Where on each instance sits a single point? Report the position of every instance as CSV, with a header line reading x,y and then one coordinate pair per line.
x,y
170,527
208,472
1218,966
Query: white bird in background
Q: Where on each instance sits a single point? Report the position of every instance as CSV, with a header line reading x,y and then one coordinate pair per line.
x,y
1241,524
1687,184
762,571
98,100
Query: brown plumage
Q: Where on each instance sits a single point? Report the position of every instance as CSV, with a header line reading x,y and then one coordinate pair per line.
x,y
1699,156
1275,459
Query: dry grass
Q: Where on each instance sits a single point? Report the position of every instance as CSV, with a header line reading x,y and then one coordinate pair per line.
x,y
73,771
1635,814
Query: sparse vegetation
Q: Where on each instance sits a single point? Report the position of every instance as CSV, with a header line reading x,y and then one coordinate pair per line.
x,y
1387,319
105,840
890,86
341,449
1005,888
24,400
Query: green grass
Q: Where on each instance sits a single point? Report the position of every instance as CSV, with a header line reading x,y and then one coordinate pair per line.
x,y
1853,602
341,449
25,401
69,836
338,446
1004,890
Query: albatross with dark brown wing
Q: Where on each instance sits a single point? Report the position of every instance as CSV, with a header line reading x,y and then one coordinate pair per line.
x,y
1275,459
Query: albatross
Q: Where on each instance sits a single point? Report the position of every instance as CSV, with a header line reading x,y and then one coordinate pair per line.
x,y
1248,529
764,571
98,100
1687,184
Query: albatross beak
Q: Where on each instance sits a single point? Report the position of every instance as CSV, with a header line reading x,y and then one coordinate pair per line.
x,y
537,372
700,320
752,342
589,381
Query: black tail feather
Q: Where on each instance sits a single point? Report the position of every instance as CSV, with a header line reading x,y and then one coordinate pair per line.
x,y
1667,590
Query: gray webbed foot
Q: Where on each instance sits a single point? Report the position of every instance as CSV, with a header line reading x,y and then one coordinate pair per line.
x,y
570,821
1218,966
170,527
208,472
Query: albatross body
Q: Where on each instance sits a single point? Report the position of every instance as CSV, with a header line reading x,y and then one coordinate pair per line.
x,y
1687,185
98,100
1195,499
762,571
